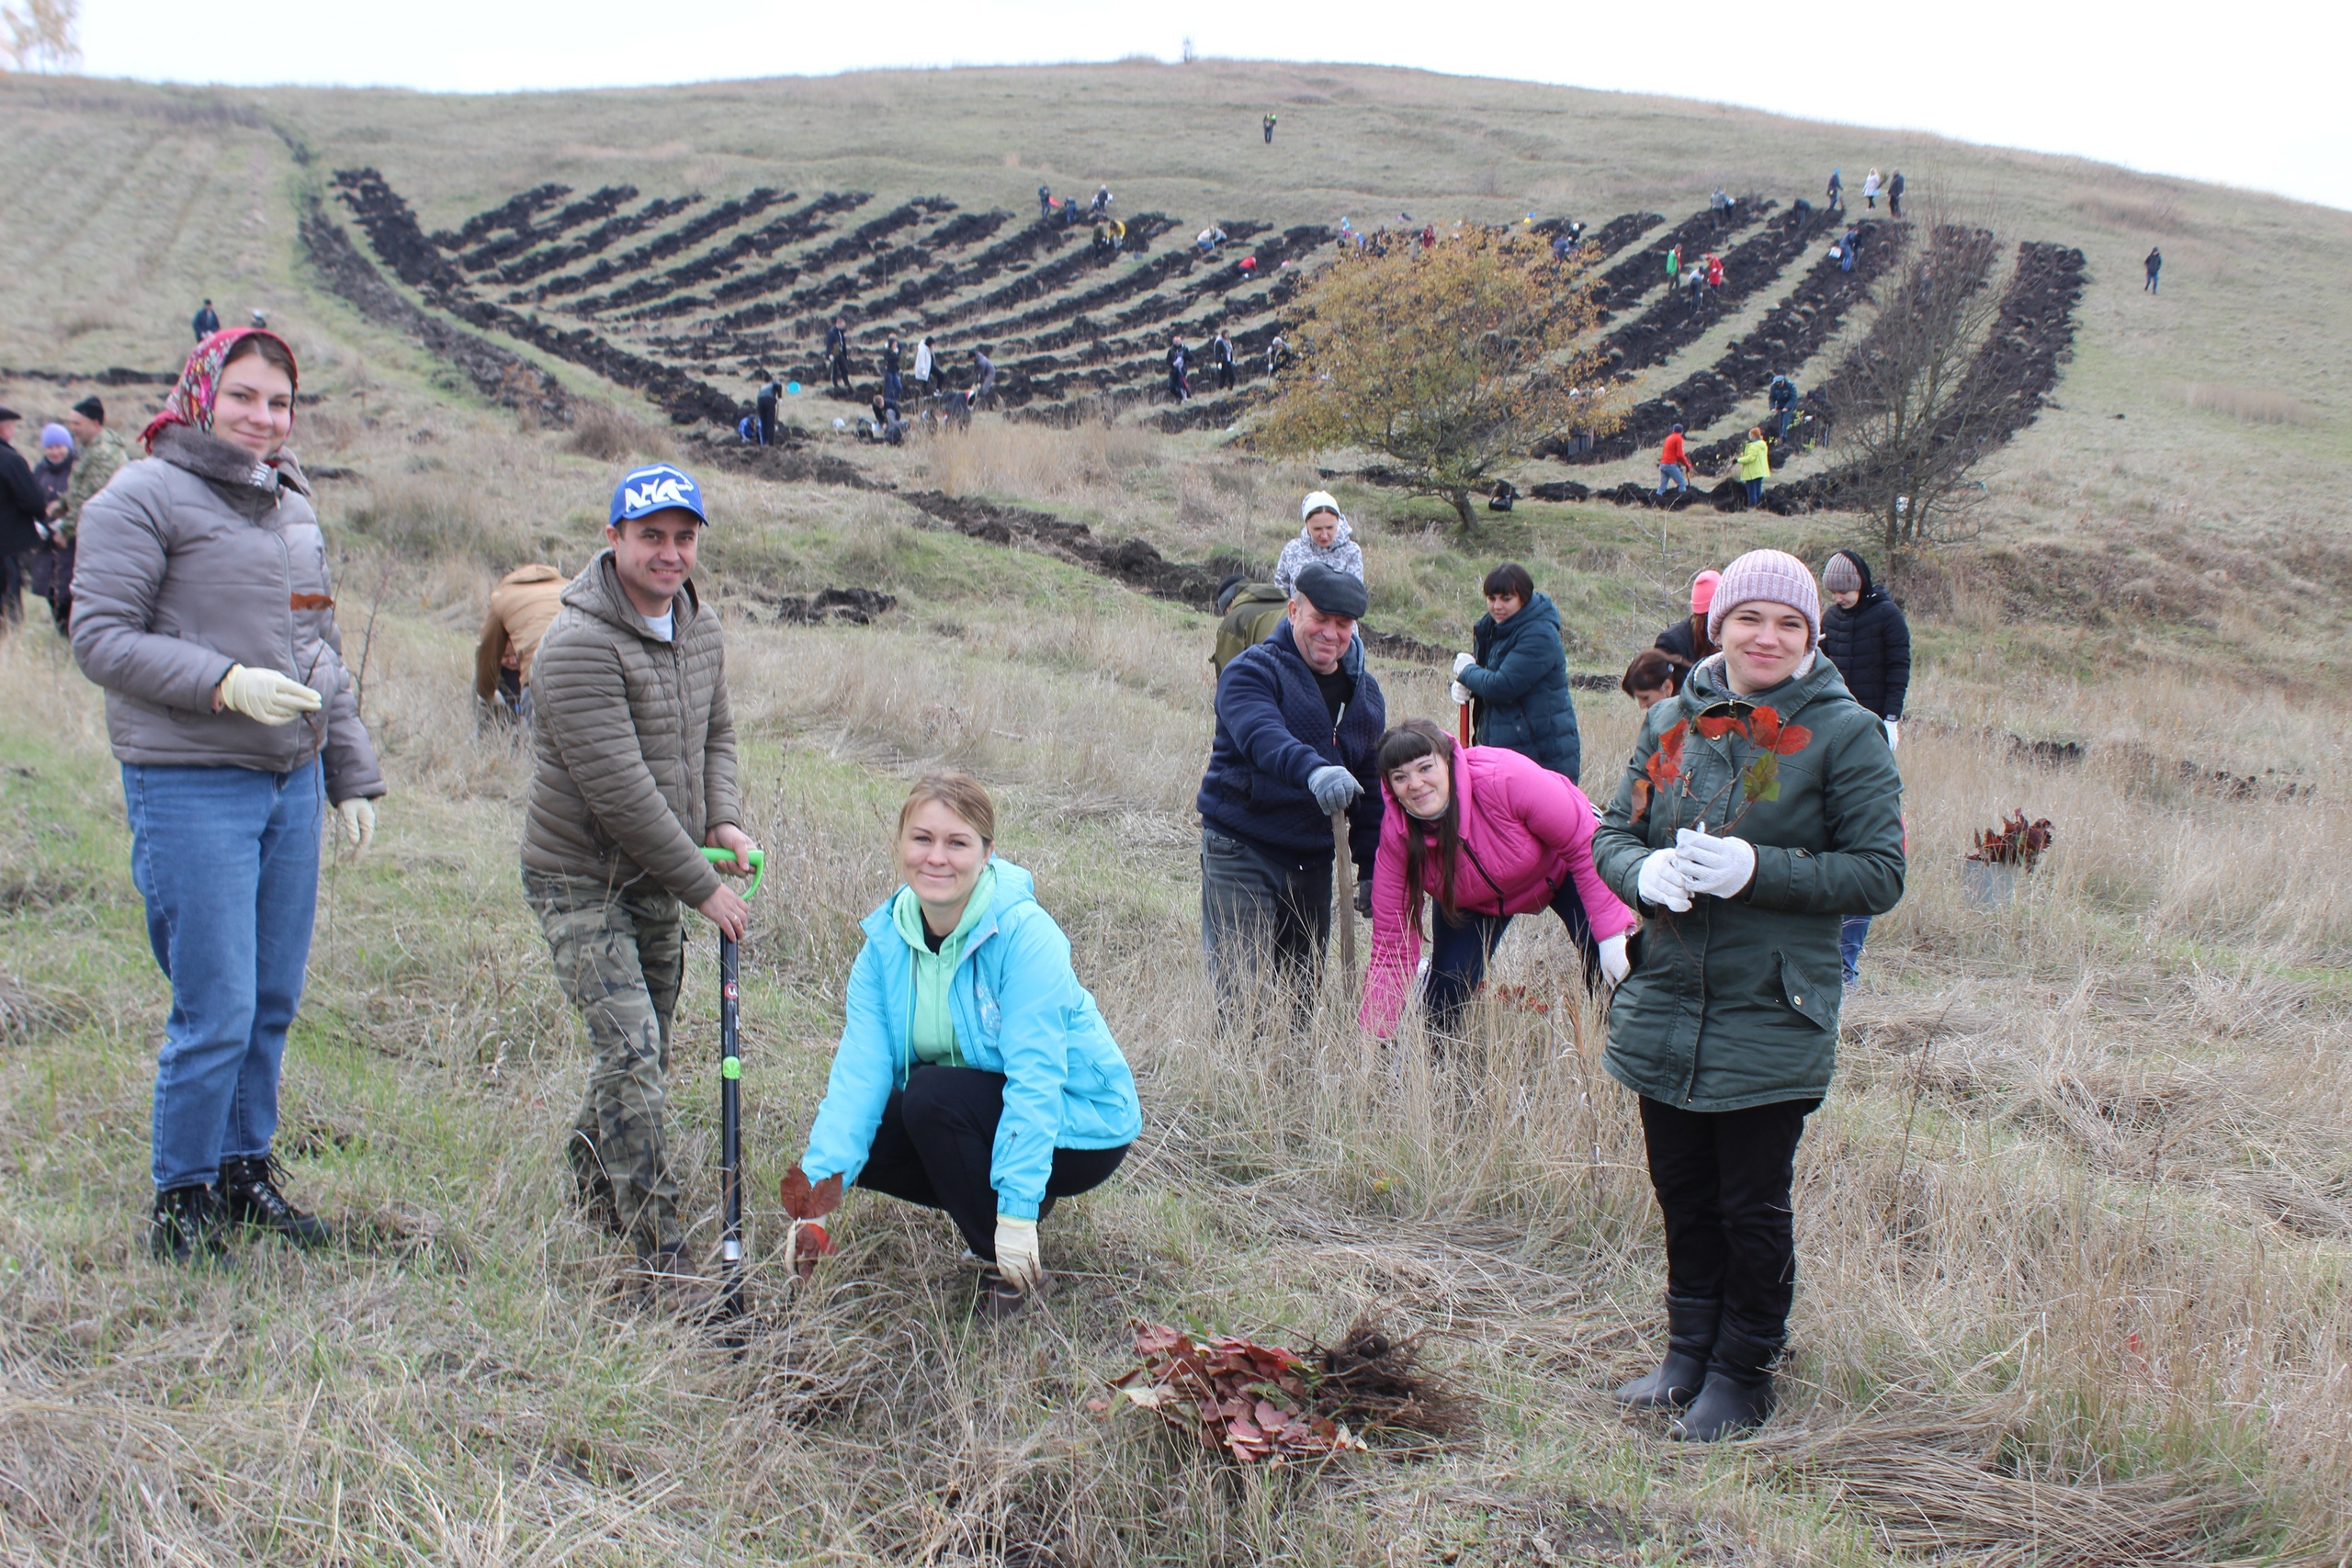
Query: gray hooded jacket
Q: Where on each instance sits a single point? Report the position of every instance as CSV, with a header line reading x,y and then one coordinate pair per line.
x,y
1341,555
192,560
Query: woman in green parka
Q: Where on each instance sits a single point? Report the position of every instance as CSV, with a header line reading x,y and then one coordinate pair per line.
x,y
1760,807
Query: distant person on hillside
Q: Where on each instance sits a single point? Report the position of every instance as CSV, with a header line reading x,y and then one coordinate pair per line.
x,y
1781,396
2154,264
1673,463
1101,206
522,606
260,323
1323,540
1863,633
103,456
1836,191
769,393
1270,129
1895,194
983,378
1714,270
1516,678
1673,264
1848,246
1754,465
894,387
1221,360
1179,361
1688,639
837,354
1045,204
1654,676
1209,239
206,321
50,476
1277,355
21,507
1719,204
1563,241
922,368
1870,191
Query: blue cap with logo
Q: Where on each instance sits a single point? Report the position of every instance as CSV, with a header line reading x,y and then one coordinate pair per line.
x,y
657,487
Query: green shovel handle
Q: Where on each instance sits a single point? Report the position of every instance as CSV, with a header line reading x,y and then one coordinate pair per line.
x,y
759,868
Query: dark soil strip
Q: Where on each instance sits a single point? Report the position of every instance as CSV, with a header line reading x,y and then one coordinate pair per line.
x,y
685,236
602,237
498,374
1637,274
1674,323
112,375
513,213
591,209
793,228
1618,233
1013,251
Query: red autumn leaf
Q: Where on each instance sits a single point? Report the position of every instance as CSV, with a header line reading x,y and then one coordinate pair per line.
x,y
1669,744
1641,799
1660,770
1764,728
1715,725
1794,739
803,1201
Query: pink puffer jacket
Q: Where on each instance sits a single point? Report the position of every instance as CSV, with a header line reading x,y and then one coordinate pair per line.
x,y
1525,830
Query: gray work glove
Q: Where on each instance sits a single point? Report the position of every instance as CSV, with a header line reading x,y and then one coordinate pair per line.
x,y
1334,788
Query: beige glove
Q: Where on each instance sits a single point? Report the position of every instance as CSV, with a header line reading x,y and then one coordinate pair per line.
x,y
1016,1253
267,695
357,817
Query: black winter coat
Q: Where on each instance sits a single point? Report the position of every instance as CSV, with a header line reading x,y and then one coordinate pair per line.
x,y
1521,683
1682,640
20,504
1870,645
1272,732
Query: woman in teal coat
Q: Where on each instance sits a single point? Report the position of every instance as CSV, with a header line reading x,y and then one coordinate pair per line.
x,y
975,1074
1760,807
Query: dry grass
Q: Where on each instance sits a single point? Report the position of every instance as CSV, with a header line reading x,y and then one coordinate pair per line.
x,y
2246,406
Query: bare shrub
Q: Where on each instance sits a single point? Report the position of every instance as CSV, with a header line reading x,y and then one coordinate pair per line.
x,y
2246,405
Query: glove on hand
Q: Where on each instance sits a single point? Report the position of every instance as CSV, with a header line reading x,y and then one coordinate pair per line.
x,y
1334,788
1660,882
357,817
1016,1253
1892,725
1720,866
1614,965
805,1242
267,695
1458,692
1464,661
1363,896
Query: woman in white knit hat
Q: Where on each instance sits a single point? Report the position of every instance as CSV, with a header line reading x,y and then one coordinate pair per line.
x,y
1761,806
1322,537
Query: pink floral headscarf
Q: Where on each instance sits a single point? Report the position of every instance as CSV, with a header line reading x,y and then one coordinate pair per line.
x,y
191,400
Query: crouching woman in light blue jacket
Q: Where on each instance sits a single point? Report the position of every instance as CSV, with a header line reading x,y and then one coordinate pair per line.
x,y
975,1074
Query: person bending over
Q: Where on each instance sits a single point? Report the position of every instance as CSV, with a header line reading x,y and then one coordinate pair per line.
x,y
975,1074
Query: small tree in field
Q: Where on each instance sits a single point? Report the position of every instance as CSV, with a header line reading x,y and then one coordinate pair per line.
x,y
1911,412
41,34
1449,362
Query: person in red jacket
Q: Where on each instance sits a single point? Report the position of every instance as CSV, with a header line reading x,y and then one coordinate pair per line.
x,y
1672,464
1486,834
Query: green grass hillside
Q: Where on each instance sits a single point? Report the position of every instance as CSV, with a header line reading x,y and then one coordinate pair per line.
x,y
2072,1228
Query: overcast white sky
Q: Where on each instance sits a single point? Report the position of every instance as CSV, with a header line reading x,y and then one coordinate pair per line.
x,y
2238,93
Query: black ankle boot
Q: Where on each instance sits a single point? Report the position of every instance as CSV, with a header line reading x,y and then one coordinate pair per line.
x,y
1737,1394
249,1196
186,1226
1690,1338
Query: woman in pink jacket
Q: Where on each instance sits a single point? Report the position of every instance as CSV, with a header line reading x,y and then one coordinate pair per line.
x,y
1485,834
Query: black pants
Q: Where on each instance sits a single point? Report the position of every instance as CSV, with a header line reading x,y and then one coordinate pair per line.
x,y
1460,948
11,590
1225,377
837,370
1723,1180
1265,916
937,1142
1176,387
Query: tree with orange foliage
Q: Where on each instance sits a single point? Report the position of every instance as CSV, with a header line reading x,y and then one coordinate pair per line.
x,y
1449,361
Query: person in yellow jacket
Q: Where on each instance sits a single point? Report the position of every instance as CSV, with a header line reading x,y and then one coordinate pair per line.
x,y
521,607
1755,467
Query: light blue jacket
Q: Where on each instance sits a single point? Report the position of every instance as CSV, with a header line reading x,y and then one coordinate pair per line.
x,y
1020,1011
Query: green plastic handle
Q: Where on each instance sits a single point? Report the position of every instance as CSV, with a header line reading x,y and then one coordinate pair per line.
x,y
759,866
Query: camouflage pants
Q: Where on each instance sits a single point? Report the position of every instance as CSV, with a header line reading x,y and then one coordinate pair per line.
x,y
618,953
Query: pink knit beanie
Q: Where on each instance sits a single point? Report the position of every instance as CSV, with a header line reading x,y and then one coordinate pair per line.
x,y
1772,575
1702,591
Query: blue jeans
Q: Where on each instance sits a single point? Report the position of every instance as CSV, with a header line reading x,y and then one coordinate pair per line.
x,y
1459,951
227,860
1852,931
1755,494
1670,473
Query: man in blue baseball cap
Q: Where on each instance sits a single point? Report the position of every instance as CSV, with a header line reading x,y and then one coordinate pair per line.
x,y
636,775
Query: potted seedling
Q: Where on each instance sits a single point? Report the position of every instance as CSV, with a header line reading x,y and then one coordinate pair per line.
x,y
2004,854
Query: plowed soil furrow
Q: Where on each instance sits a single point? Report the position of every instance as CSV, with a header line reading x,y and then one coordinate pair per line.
x,y
512,213
594,207
720,218
1638,273
1618,232
1674,323
555,258
797,227
1012,251
393,230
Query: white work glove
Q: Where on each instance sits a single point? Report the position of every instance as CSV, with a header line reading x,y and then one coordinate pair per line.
x,y
357,817
1659,882
1334,787
267,695
1459,693
1016,1253
1464,661
1720,866
1614,965
1893,726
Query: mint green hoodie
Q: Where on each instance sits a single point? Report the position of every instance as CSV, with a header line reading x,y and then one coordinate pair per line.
x,y
933,1037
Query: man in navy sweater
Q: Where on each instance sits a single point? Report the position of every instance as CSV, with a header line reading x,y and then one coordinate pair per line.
x,y
1298,725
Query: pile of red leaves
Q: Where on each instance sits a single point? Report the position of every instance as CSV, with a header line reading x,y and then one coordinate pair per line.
x,y
2015,842
1245,1399
1768,740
